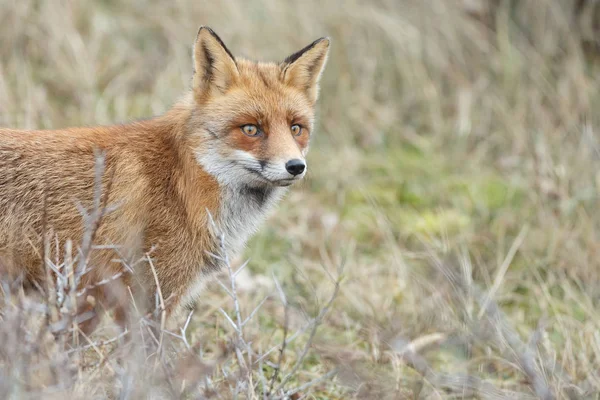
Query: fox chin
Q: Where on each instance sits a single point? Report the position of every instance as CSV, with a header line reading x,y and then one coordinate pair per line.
x,y
189,187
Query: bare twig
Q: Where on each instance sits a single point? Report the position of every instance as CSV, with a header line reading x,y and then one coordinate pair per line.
x,y
285,333
163,310
503,268
307,385
315,326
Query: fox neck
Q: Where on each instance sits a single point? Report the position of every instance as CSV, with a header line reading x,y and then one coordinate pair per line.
x,y
242,211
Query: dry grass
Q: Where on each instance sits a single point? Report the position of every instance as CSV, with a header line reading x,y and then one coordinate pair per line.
x,y
454,176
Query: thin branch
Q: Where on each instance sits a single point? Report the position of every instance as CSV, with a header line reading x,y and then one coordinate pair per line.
x,y
318,320
163,311
307,385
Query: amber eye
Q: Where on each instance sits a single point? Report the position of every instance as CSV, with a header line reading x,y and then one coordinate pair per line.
x,y
296,130
250,130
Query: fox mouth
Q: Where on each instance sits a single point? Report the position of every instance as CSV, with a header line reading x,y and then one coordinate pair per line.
x,y
284,182
278,182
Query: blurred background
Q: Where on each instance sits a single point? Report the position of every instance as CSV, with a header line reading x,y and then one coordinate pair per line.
x,y
454,175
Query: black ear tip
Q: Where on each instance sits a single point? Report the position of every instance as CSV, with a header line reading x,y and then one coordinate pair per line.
x,y
208,29
325,39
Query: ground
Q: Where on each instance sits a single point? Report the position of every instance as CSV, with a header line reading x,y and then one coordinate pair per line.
x,y
452,193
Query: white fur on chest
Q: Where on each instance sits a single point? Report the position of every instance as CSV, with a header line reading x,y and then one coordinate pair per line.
x,y
241,213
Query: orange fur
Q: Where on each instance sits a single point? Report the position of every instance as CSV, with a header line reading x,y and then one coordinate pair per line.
x,y
160,174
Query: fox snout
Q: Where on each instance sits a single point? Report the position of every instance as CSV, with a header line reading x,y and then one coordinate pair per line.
x,y
284,173
295,166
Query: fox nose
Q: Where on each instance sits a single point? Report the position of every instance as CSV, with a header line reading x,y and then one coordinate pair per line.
x,y
295,166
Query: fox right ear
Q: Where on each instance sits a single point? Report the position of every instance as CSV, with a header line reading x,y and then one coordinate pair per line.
x,y
303,69
215,69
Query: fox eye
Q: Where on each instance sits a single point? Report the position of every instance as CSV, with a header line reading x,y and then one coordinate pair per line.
x,y
250,130
296,130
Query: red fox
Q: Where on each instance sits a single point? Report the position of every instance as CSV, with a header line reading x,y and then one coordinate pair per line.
x,y
185,185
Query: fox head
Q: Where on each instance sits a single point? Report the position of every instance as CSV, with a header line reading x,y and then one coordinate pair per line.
x,y
252,121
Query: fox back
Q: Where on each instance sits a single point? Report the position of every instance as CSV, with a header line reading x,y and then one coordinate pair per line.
x,y
166,199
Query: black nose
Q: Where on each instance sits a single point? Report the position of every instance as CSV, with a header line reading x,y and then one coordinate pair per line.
x,y
295,166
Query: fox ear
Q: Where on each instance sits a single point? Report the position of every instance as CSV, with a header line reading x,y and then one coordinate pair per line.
x,y
303,69
215,69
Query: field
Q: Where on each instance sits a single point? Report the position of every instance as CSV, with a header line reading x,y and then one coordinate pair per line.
x,y
446,243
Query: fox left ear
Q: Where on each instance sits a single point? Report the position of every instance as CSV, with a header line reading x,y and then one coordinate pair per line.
x,y
303,69
215,69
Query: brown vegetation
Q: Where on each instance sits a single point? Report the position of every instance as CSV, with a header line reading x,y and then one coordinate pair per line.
x,y
457,185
